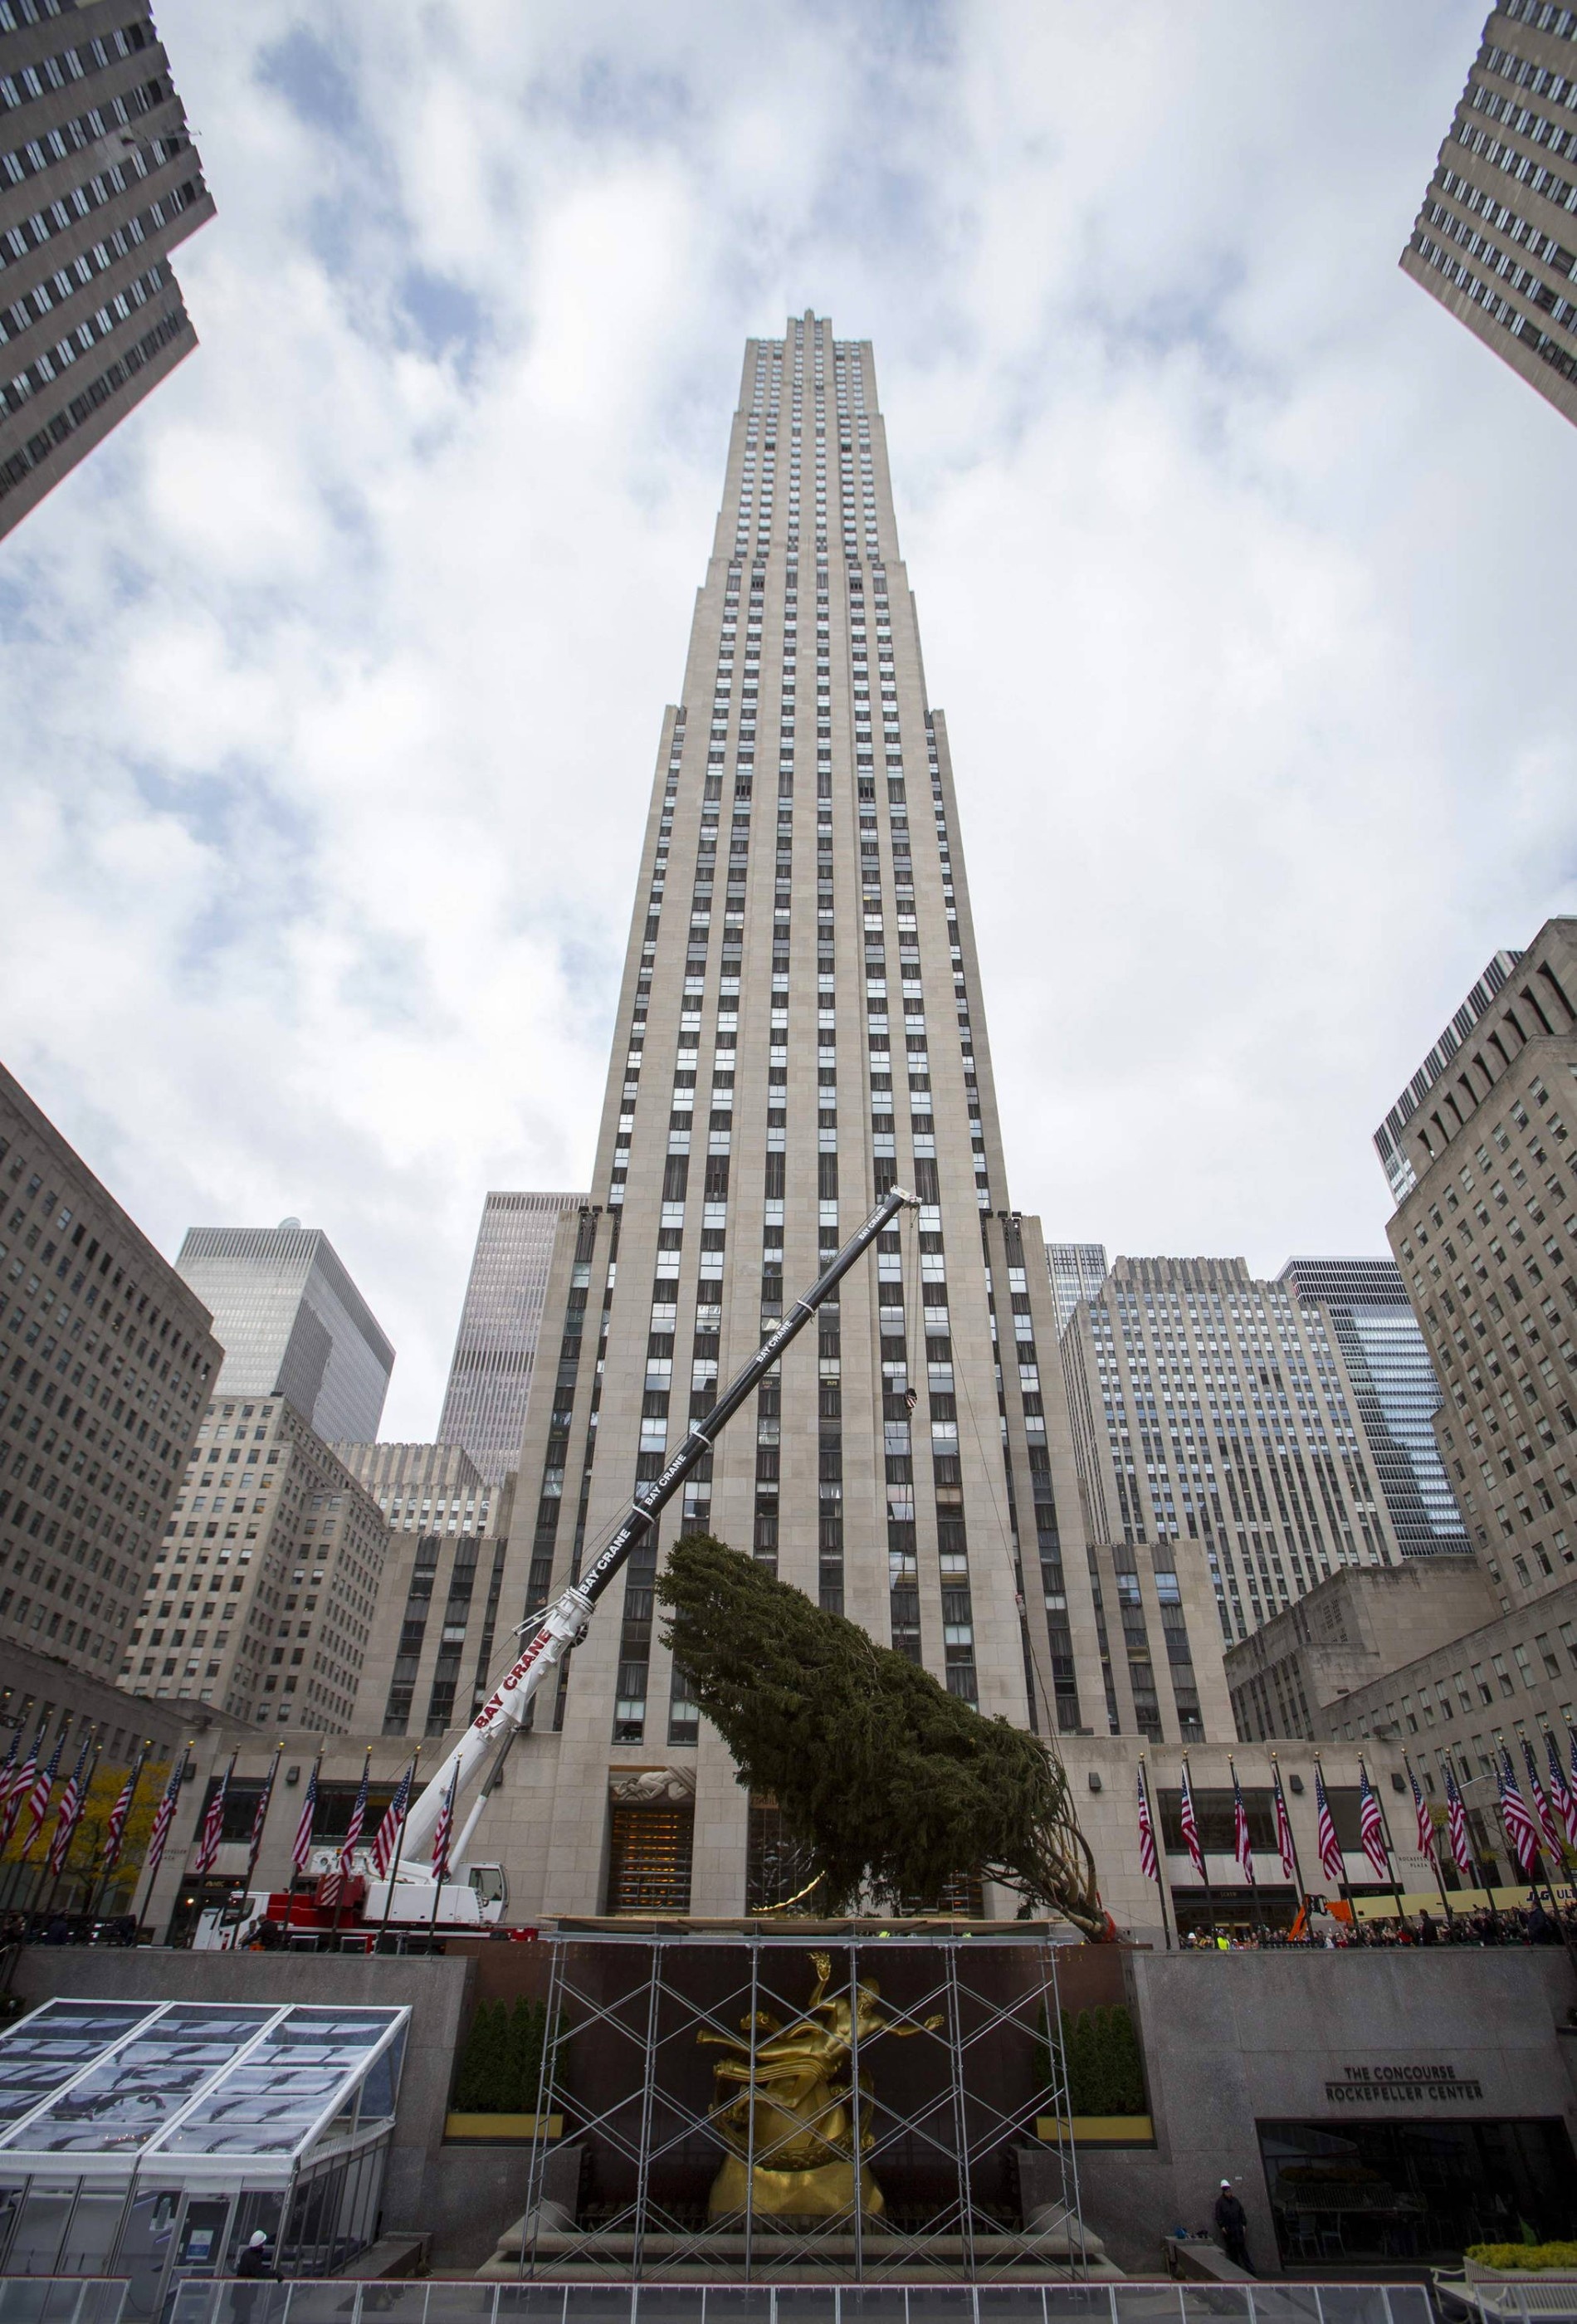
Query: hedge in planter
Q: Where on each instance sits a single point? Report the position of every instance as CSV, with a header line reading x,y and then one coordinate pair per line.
x,y
1100,2058
502,2063
1518,2258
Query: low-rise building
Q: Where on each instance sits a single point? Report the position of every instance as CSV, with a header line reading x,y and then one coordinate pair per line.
x,y
264,1599
106,1359
1293,1673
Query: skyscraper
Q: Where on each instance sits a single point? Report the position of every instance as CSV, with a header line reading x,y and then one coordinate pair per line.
x,y
1484,1235
1495,240
291,1324
98,182
1215,1409
1396,1393
490,1378
1078,1269
800,1025
108,1359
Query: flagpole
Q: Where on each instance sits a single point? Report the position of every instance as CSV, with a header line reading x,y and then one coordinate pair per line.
x,y
1390,1851
255,1848
442,1868
1156,1850
172,1792
1342,1875
1538,1805
345,1854
1298,1870
95,1892
1248,1843
77,1794
310,1802
398,1850
1203,1863
1433,1850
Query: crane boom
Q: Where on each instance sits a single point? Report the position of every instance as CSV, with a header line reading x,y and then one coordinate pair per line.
x,y
565,1621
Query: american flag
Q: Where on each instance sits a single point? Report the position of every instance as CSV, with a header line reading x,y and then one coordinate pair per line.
x,y
1542,1808
1148,1863
73,1798
115,1830
1422,1817
39,1804
159,1836
1242,1847
1565,1806
21,1785
388,1840
213,1823
446,1831
8,1772
303,1847
1371,1828
1520,1828
1456,1824
1288,1853
352,1840
1331,1859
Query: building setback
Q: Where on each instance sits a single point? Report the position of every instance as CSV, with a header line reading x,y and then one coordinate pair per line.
x,y
800,1026
98,182
489,1377
1213,1409
292,1324
105,1360
1078,1269
1369,1316
430,1660
1496,239
264,1599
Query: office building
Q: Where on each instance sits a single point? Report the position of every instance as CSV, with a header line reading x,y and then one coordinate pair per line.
x,y
264,1592
1078,1269
1485,1239
1292,1675
98,182
490,1378
801,1025
439,1636
292,1324
1496,239
106,1360
1216,1413
1367,1314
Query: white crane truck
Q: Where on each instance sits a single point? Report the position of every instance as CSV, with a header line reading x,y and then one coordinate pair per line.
x,y
478,1898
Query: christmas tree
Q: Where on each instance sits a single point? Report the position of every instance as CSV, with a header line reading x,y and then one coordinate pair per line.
x,y
896,1785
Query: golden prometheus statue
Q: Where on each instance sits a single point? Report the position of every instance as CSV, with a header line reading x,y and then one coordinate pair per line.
x,y
787,2117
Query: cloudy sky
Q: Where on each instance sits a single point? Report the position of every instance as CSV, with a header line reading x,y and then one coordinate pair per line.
x,y
332,682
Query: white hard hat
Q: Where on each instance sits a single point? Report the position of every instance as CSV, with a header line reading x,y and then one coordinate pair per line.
x,y
257,2235
1225,2182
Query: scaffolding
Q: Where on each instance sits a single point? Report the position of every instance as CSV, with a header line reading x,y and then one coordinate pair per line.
x,y
956,2102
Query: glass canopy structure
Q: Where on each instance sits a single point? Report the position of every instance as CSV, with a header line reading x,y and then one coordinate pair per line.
x,y
149,2140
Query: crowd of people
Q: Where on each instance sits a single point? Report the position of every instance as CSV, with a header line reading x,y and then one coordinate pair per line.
x,y
1533,1924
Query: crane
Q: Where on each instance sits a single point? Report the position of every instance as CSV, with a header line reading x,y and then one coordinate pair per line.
x,y
565,1623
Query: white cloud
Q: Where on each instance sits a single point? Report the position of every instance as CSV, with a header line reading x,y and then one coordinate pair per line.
x,y
334,681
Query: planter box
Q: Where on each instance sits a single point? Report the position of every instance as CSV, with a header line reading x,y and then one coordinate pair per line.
x,y
1099,2129
503,2129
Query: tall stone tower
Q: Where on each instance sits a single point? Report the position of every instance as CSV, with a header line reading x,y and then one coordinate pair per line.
x,y
800,1026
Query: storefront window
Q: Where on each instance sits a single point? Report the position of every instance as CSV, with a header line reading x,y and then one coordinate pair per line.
x,y
1416,2191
